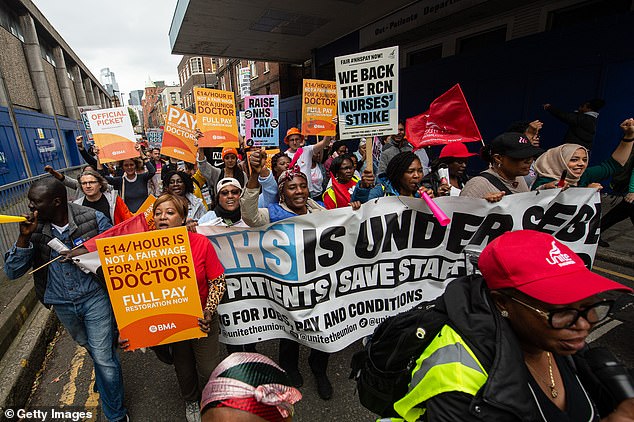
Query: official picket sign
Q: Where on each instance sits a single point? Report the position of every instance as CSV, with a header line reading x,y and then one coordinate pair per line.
x,y
113,134
367,92
152,286
327,279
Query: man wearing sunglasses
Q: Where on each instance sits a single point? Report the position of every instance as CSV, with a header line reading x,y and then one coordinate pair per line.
x,y
505,353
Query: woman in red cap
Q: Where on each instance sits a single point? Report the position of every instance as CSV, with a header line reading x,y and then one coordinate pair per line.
x,y
453,157
514,344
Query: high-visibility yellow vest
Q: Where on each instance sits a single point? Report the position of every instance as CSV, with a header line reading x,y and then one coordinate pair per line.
x,y
447,364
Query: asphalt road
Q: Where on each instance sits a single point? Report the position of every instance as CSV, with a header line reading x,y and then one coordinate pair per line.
x,y
152,393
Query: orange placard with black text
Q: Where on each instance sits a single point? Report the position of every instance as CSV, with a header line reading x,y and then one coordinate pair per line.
x,y
216,118
179,135
319,107
152,286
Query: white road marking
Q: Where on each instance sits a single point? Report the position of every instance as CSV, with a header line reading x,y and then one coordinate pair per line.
x,y
603,330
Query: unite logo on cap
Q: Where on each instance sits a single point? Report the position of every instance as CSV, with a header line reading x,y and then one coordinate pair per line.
x,y
558,258
522,140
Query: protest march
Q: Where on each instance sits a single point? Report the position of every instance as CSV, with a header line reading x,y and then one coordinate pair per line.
x,y
457,267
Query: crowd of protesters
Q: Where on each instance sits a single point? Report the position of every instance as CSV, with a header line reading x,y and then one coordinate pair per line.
x,y
306,177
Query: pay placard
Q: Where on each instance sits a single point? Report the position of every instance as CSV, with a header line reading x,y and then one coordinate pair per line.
x,y
319,106
216,118
261,116
180,135
152,285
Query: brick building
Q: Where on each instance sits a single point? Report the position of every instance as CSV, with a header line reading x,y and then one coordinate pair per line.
x,y
196,71
42,82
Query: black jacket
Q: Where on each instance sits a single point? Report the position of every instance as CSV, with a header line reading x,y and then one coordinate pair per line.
x,y
581,126
505,396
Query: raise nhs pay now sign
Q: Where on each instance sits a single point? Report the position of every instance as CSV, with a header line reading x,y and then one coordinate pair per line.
x,y
367,92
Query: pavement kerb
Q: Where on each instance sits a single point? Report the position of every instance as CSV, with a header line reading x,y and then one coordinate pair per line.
x,y
12,318
24,358
616,258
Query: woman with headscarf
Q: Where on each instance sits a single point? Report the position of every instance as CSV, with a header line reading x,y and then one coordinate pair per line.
x,y
510,156
249,387
227,210
180,184
294,201
573,159
513,346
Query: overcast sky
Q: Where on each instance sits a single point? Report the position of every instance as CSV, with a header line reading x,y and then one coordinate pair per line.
x,y
128,36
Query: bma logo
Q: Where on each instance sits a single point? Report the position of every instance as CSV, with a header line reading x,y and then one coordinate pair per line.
x,y
162,327
558,258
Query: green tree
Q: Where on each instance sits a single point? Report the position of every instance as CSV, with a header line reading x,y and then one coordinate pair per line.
x,y
133,116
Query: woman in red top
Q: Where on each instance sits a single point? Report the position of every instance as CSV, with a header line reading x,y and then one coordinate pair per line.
x,y
195,359
343,182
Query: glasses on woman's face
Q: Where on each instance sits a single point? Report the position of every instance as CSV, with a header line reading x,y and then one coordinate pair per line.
x,y
567,317
89,182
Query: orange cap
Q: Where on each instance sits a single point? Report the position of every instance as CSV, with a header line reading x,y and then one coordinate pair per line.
x,y
226,151
292,131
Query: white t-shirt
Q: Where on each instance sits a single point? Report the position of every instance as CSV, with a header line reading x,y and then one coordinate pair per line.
x,y
305,162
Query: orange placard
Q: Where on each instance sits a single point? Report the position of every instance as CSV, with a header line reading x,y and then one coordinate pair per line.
x,y
152,286
113,134
147,208
319,107
269,154
179,135
216,118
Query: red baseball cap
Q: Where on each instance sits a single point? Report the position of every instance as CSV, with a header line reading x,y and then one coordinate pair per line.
x,y
541,267
292,131
456,150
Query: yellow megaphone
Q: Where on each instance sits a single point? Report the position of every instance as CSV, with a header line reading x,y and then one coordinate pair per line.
x,y
11,219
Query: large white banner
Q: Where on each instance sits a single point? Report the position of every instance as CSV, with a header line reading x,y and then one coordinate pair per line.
x,y
367,93
328,279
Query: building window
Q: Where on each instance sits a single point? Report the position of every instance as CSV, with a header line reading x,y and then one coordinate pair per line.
x,y
223,85
238,74
196,64
424,55
70,76
253,68
267,67
47,55
221,61
482,40
588,11
173,97
11,23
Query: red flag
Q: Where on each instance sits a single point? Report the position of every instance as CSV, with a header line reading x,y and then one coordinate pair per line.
x,y
448,119
136,224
